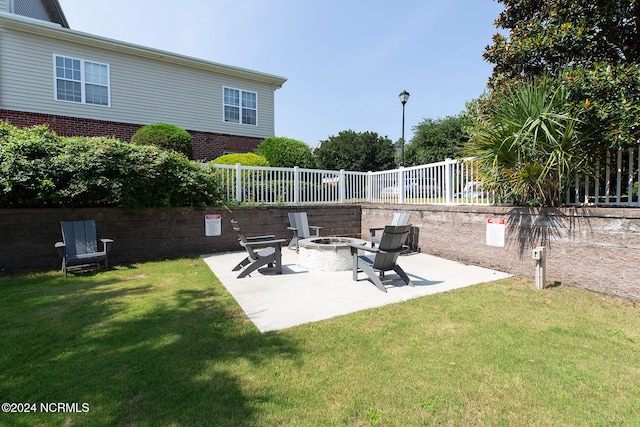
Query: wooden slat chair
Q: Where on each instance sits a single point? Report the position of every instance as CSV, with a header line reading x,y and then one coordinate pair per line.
x,y
399,218
261,251
301,228
79,246
384,257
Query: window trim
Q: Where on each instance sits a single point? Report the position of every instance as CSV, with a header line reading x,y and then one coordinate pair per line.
x,y
83,82
240,107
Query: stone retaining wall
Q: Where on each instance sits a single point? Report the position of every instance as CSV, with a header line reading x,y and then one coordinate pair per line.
x,y
29,235
593,248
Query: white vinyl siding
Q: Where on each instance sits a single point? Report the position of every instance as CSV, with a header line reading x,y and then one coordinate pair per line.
x,y
240,106
142,87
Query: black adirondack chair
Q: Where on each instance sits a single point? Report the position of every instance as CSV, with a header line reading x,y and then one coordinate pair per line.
x,y
261,251
399,218
79,246
384,258
301,228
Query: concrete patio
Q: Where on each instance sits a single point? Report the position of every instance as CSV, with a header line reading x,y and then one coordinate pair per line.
x,y
301,295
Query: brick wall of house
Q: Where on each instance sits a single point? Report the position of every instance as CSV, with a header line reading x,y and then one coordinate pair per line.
x,y
206,145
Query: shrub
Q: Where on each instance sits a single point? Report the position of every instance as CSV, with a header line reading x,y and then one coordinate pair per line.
x,y
25,169
41,169
527,145
356,151
245,159
165,136
286,153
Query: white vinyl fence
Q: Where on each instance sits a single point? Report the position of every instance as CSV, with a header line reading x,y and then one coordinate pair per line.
x,y
447,182
612,182
255,184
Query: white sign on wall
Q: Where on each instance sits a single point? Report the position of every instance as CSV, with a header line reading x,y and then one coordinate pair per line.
x,y
212,225
495,231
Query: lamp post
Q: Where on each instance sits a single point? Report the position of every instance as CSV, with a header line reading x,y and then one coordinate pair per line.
x,y
404,97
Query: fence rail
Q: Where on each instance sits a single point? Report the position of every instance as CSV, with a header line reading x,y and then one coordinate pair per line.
x,y
613,181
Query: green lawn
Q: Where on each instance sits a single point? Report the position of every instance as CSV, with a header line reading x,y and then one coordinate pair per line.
x,y
160,344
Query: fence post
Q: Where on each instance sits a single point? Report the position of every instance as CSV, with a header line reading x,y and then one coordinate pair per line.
x,y
369,189
619,177
401,185
238,182
341,187
638,177
630,178
448,181
296,185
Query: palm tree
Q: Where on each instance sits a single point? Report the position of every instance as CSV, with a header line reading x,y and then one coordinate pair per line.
x,y
527,144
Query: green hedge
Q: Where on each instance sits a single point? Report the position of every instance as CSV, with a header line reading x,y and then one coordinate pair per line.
x,y
245,159
41,169
286,153
164,135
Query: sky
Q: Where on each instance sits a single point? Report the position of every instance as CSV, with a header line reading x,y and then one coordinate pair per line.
x,y
345,61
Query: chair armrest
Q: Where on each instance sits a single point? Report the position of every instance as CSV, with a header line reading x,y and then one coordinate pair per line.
x,y
295,232
106,244
316,228
355,246
62,249
275,242
372,231
268,236
402,249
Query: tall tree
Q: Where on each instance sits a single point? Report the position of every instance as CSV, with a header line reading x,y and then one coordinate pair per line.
x,y
591,46
546,36
435,140
349,150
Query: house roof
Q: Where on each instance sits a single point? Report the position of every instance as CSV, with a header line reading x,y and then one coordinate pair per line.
x,y
51,30
55,12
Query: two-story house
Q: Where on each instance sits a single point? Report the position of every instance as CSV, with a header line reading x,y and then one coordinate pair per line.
x,y
84,85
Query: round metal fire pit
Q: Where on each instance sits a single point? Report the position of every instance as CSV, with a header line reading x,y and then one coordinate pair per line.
x,y
327,253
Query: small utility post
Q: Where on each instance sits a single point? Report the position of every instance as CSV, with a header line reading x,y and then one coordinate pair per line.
x,y
541,266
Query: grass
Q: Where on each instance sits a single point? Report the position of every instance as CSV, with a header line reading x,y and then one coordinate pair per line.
x,y
165,344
